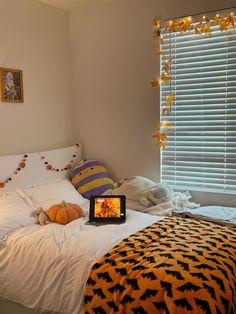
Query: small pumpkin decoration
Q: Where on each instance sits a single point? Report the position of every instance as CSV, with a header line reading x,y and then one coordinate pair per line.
x,y
64,212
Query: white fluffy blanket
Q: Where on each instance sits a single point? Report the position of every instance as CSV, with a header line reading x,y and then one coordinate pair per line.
x,y
147,196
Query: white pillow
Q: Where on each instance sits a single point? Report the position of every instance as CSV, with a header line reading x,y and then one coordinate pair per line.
x,y
14,214
51,193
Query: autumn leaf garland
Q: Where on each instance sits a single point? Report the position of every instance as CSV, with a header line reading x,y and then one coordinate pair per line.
x,y
200,27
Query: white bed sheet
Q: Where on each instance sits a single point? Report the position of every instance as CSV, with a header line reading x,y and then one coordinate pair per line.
x,y
46,268
218,212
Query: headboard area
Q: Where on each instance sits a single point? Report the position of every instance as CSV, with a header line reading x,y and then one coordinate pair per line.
x,y
31,168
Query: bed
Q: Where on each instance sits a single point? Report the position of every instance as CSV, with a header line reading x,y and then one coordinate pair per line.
x,y
60,260
61,269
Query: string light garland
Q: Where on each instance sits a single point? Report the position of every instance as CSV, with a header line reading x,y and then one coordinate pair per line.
x,y
204,26
21,165
200,27
50,167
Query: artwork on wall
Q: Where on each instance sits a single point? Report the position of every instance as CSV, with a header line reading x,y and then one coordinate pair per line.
x,y
11,85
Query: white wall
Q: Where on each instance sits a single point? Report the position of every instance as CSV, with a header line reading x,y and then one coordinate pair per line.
x,y
115,109
35,38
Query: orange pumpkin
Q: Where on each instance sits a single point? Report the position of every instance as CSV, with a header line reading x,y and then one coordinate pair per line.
x,y
64,212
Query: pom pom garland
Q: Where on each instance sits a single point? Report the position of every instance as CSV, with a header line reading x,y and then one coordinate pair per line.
x,y
23,163
50,167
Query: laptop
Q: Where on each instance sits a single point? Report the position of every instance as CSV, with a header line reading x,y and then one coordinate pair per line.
x,y
107,209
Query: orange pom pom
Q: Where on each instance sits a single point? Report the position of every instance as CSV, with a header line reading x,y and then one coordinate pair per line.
x,y
22,164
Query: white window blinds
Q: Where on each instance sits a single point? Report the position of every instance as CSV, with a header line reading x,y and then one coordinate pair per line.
x,y
201,151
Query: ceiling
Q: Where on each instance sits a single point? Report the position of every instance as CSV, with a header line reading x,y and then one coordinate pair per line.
x,y
67,4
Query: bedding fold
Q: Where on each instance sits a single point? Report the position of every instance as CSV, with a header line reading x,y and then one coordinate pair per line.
x,y
215,220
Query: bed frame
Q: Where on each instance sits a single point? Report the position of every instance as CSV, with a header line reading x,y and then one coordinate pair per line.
x,y
34,173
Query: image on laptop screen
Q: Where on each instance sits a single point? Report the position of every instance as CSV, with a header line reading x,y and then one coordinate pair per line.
x,y
106,207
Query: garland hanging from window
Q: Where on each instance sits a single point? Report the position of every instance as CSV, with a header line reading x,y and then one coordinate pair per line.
x,y
201,27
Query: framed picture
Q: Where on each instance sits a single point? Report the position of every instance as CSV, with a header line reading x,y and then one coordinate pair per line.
x,y
11,85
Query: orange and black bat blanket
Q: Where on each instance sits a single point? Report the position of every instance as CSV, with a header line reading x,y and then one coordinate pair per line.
x,y
176,265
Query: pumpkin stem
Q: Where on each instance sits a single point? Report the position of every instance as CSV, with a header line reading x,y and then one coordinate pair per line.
x,y
64,203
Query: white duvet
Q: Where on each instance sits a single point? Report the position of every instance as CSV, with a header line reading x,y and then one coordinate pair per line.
x,y
46,268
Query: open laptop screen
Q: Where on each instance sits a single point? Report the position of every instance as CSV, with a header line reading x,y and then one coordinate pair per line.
x,y
109,208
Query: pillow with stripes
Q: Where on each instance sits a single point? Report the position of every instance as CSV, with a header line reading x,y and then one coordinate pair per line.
x,y
91,178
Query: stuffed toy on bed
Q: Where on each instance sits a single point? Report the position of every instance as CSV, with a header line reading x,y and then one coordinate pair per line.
x,y
91,178
41,215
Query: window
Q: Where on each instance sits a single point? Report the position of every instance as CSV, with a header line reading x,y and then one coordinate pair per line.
x,y
201,151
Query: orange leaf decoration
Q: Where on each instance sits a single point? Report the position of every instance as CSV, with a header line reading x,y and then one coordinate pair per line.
x,y
161,139
160,52
156,35
217,19
170,99
226,23
155,83
172,26
157,28
166,66
206,29
163,145
156,22
165,78
180,25
197,30
185,25
205,19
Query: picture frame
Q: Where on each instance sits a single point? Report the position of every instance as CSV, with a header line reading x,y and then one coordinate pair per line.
x,y
11,81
